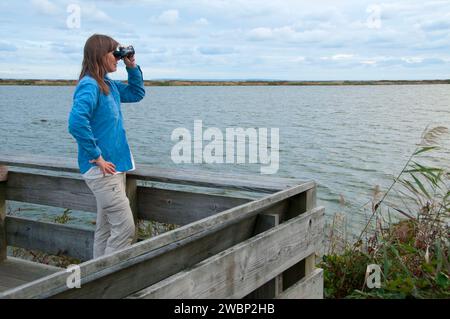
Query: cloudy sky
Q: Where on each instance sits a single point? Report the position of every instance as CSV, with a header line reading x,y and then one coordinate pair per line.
x,y
233,39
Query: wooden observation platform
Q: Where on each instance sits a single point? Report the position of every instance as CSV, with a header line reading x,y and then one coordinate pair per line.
x,y
226,246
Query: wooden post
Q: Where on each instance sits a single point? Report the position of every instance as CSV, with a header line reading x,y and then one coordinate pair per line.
x,y
299,205
311,202
310,264
3,179
131,191
272,288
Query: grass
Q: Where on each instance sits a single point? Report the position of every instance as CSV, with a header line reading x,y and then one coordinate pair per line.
x,y
64,218
406,235
147,229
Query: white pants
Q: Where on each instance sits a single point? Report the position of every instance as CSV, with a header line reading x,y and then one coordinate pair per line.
x,y
115,227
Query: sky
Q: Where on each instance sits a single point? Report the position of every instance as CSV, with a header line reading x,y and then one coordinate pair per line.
x,y
233,39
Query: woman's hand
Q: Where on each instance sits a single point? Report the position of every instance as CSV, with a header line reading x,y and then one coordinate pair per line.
x,y
130,61
105,167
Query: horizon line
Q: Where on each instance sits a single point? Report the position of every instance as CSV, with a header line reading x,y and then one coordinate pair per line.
x,y
242,80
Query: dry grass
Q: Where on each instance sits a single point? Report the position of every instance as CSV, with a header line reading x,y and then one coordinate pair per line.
x,y
406,234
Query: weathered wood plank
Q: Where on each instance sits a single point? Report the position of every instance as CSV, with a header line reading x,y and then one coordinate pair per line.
x,y
7,283
310,287
51,238
272,288
55,191
242,182
162,205
162,264
181,208
15,272
25,269
132,195
134,268
3,183
252,183
40,162
237,271
300,203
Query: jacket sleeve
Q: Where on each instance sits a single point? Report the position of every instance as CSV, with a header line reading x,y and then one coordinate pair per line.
x,y
134,91
84,103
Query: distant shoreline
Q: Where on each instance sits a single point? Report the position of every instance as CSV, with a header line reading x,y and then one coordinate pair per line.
x,y
232,83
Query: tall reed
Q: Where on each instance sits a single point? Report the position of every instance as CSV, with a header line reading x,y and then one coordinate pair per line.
x,y
406,234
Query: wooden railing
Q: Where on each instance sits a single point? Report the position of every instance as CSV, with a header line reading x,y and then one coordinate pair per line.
x,y
234,246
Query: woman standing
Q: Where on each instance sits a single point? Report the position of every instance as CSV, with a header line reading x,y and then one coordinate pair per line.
x,y
104,156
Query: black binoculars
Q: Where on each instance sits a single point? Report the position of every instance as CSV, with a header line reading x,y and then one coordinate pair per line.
x,y
123,52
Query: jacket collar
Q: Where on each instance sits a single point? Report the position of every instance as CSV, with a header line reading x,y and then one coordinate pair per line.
x,y
107,78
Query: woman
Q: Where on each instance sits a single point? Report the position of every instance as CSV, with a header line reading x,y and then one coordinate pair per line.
x,y
104,156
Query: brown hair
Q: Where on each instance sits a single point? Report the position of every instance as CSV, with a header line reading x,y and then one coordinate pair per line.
x,y
95,50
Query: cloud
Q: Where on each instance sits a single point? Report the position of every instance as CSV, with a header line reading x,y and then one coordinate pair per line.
x,y
216,50
201,22
7,47
403,61
368,62
299,59
45,7
168,17
339,57
240,38
94,14
442,24
260,34
412,60
284,33
67,48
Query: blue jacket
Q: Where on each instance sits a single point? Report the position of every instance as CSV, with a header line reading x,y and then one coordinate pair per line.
x,y
96,120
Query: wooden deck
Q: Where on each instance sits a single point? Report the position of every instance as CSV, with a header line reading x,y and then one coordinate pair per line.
x,y
263,245
16,272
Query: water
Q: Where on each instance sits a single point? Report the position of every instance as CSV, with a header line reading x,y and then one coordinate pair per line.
x,y
346,138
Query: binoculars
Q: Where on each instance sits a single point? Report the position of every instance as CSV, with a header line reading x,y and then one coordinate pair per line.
x,y
123,52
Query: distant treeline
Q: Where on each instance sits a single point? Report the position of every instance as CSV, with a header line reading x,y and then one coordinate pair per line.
x,y
229,83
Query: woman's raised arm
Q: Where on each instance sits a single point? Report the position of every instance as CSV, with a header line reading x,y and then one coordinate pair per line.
x,y
134,91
